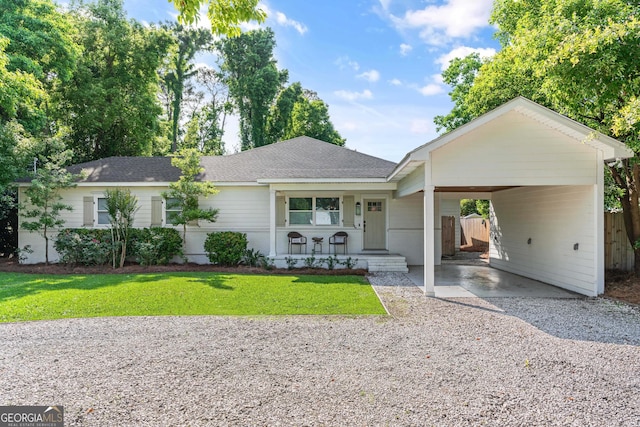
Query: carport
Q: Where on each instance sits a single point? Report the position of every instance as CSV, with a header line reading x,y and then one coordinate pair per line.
x,y
544,175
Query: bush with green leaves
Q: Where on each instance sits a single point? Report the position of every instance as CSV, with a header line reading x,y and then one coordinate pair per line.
x,y
156,245
226,247
90,246
83,246
253,258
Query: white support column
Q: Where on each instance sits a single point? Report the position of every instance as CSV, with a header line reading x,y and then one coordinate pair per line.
x,y
437,216
598,223
272,223
429,246
429,232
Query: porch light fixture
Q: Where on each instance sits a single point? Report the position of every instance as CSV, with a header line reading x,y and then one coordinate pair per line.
x,y
358,209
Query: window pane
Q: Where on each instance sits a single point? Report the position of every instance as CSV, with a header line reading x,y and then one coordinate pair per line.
x,y
300,204
102,204
171,217
328,204
300,218
335,217
173,204
103,218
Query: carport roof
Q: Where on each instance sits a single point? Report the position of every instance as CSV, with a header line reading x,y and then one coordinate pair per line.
x,y
611,148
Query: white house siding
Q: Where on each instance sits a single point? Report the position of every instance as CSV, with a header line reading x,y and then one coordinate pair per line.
x,y
406,228
412,183
243,209
513,150
74,218
554,218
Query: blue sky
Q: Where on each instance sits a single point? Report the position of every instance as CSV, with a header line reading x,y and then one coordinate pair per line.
x,y
376,63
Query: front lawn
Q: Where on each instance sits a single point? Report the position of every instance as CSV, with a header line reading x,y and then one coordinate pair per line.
x,y
38,297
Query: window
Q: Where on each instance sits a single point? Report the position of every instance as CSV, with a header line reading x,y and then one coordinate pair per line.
x,y
172,209
374,206
101,208
314,210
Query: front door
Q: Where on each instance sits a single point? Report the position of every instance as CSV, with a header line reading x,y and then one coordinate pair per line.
x,y
374,224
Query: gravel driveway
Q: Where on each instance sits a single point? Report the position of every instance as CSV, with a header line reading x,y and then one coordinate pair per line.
x,y
516,362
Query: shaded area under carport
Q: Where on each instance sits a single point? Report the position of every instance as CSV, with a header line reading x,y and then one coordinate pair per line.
x,y
455,280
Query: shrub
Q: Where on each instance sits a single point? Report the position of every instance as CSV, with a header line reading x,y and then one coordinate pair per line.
x,y
332,261
291,262
253,258
156,245
225,247
83,246
350,262
267,263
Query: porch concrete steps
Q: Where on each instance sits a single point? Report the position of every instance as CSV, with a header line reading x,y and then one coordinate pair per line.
x,y
396,263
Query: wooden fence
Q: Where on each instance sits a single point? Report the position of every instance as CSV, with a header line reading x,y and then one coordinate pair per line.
x,y
618,253
474,232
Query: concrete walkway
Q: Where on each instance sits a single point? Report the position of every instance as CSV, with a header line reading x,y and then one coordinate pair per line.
x,y
460,281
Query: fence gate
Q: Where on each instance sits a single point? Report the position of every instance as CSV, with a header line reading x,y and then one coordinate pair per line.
x,y
448,235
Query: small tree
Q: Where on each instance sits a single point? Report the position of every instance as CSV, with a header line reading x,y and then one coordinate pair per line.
x,y
183,195
121,206
44,201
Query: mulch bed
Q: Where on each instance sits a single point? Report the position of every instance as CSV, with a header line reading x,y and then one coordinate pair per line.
x,y
12,266
622,285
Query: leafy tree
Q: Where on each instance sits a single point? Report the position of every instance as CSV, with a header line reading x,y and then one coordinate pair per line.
x,y
225,15
121,207
41,53
43,210
189,41
578,57
184,195
254,81
112,99
299,112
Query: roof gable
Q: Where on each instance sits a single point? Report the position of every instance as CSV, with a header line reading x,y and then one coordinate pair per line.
x,y
577,132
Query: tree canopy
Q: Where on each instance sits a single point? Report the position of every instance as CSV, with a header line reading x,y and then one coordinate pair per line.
x,y
225,15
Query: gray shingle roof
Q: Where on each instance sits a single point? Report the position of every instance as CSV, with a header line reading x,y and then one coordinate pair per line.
x,y
298,158
128,169
301,157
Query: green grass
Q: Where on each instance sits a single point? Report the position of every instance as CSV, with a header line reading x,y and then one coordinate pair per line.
x,y
38,297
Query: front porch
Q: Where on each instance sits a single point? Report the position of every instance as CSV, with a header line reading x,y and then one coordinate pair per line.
x,y
371,262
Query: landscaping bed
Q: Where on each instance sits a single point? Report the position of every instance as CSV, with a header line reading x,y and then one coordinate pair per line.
x,y
13,266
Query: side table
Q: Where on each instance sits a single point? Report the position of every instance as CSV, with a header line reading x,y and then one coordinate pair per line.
x,y
317,241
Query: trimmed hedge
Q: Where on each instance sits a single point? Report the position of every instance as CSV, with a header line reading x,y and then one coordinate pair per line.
x,y
89,246
226,248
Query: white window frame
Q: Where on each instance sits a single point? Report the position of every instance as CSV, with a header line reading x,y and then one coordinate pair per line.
x,y
165,210
314,221
97,211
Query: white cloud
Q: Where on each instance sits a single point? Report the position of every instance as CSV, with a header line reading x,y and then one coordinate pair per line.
x,y
439,24
385,4
431,89
282,19
461,52
405,49
395,82
346,62
420,126
353,96
371,76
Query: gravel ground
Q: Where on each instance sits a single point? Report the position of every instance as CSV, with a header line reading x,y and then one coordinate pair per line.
x,y
495,362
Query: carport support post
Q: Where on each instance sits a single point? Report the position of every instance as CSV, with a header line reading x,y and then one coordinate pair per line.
x,y
429,237
272,222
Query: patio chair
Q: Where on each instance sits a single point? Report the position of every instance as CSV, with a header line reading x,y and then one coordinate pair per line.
x,y
297,239
339,239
